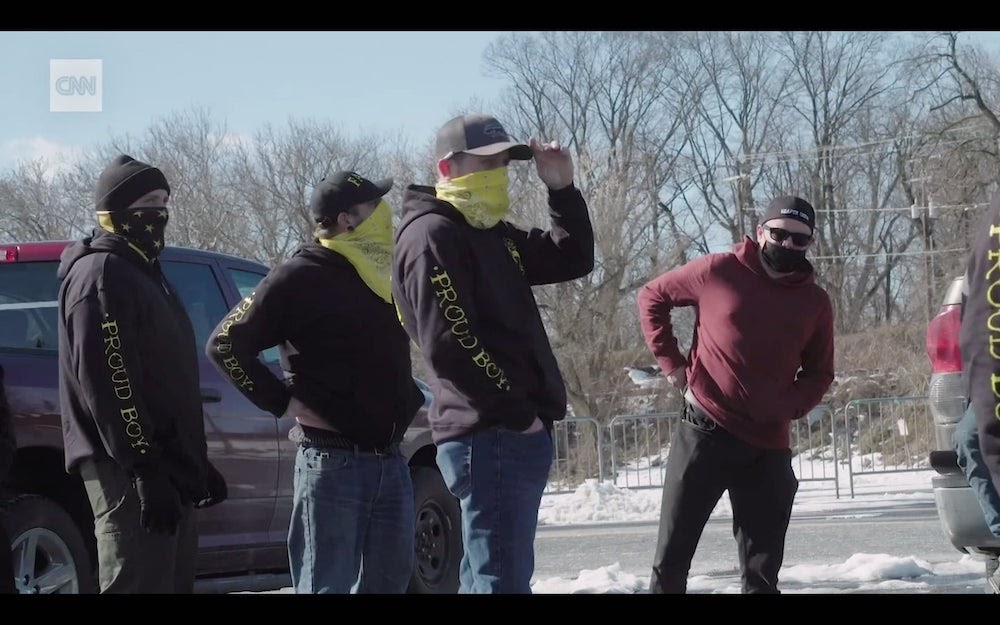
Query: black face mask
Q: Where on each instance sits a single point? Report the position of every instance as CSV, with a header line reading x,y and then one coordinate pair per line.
x,y
143,227
783,259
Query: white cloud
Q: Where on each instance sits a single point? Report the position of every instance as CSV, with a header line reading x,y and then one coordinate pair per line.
x,y
55,155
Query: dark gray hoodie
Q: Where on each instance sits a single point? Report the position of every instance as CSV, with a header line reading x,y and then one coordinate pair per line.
x,y
979,335
464,295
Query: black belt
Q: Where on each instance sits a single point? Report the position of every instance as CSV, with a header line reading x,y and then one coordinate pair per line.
x,y
696,416
317,437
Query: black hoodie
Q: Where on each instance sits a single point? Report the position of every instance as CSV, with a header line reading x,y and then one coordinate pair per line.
x,y
343,350
979,335
465,298
128,365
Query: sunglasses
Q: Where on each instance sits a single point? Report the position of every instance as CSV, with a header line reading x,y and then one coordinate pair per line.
x,y
780,234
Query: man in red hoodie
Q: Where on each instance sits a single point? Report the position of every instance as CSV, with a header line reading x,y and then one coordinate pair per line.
x,y
761,356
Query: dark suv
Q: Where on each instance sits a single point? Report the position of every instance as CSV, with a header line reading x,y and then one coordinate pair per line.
x,y
961,517
242,540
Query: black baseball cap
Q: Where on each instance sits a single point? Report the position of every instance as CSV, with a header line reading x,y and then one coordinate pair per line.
x,y
481,135
340,191
791,207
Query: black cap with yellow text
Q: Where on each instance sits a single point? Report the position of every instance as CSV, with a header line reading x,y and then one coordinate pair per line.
x,y
341,191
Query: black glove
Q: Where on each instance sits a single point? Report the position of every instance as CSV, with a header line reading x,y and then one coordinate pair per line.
x,y
159,502
216,487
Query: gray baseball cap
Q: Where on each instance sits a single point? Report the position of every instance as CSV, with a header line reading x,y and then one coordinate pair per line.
x,y
481,135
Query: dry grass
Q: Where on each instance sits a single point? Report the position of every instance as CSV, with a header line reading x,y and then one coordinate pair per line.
x,y
890,361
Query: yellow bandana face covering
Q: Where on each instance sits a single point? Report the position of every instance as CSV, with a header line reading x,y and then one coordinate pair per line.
x,y
369,248
481,197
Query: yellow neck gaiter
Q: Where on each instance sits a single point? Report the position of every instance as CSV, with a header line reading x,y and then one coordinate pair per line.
x,y
481,197
369,248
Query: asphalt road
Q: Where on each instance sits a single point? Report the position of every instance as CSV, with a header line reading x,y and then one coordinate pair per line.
x,y
563,551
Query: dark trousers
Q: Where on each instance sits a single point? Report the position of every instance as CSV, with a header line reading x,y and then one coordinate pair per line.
x,y
130,559
704,461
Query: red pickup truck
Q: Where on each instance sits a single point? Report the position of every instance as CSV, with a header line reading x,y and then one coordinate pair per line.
x,y
242,540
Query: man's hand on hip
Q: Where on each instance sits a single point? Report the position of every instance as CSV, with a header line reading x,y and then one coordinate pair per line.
x,y
678,377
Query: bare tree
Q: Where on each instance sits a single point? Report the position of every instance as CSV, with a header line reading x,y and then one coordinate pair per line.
x,y
44,201
193,150
606,97
272,176
678,139
843,80
959,85
732,120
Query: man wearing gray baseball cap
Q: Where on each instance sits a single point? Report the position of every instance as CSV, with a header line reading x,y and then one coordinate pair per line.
x,y
461,279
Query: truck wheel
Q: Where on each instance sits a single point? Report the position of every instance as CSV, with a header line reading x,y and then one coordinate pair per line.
x,y
50,556
438,540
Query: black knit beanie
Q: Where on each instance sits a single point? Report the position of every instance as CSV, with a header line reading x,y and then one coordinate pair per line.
x,y
124,181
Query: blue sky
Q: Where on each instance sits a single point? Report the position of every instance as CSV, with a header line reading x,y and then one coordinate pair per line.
x,y
408,82
380,81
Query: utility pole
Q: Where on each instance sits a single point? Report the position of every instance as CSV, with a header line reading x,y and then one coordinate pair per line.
x,y
888,281
923,214
925,219
741,194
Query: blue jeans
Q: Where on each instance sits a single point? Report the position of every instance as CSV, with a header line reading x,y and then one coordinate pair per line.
x,y
498,476
352,522
970,459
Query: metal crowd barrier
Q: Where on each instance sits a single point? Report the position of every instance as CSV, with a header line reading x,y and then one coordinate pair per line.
x,y
633,452
639,444
578,454
887,435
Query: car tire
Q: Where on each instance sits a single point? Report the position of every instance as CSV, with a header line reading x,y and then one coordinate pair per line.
x,y
50,555
438,535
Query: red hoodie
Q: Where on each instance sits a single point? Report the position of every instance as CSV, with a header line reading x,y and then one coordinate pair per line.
x,y
752,335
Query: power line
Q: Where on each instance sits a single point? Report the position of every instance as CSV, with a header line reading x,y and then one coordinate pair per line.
x,y
814,153
892,254
760,159
965,206
890,209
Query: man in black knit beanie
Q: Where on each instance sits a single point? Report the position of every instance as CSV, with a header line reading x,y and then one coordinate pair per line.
x,y
129,390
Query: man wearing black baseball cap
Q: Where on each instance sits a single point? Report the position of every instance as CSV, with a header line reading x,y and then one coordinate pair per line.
x,y
335,196
462,278
761,357
348,384
132,421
